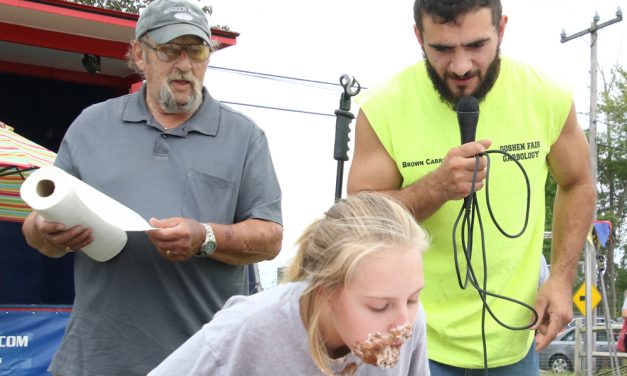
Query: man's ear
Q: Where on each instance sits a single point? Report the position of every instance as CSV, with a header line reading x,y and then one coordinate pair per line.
x,y
138,55
502,24
419,36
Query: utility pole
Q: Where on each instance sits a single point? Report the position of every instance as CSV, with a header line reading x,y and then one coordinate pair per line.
x,y
592,131
590,256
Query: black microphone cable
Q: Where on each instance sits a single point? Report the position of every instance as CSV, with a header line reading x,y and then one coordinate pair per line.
x,y
467,214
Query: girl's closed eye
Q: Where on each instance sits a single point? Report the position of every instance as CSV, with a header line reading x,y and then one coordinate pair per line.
x,y
379,307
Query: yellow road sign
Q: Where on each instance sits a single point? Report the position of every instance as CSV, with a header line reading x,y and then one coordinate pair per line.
x,y
580,298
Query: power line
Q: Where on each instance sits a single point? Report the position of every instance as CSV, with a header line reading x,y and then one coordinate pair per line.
x,y
278,109
275,76
261,75
280,78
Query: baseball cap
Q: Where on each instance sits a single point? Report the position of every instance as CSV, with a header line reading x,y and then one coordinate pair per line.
x,y
165,20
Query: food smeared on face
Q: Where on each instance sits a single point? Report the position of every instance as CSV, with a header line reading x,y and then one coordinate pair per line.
x,y
383,350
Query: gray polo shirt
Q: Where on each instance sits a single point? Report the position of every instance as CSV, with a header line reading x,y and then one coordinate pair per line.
x,y
132,311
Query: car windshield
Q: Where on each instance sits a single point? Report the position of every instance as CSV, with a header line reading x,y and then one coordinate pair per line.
x,y
570,336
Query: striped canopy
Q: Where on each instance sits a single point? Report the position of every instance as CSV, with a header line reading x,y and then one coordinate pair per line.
x,y
18,156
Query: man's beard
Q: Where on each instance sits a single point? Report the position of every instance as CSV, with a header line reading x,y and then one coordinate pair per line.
x,y
167,100
485,83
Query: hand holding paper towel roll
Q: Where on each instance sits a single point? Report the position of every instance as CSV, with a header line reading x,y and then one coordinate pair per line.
x,y
60,197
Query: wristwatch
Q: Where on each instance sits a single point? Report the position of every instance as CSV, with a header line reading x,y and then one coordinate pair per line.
x,y
209,245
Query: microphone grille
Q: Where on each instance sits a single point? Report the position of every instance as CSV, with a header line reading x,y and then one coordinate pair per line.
x,y
468,104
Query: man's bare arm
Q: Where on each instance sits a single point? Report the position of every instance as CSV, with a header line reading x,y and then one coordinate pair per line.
x,y
372,169
252,240
575,202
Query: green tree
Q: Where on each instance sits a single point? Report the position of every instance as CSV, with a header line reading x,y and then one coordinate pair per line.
x,y
612,176
135,6
129,6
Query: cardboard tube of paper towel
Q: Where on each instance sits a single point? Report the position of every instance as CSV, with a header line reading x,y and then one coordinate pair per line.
x,y
60,197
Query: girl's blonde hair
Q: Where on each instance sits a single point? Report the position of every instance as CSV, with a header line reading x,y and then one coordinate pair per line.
x,y
331,248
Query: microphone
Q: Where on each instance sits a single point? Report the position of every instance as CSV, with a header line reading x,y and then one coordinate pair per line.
x,y
467,117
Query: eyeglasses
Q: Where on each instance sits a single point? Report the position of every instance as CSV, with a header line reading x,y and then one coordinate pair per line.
x,y
171,51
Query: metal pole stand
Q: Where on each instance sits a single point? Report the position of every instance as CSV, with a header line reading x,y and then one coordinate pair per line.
x,y
344,118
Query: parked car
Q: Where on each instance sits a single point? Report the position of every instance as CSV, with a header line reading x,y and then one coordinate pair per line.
x,y
599,320
559,355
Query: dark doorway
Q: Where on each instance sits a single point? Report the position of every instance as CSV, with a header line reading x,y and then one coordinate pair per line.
x,y
41,110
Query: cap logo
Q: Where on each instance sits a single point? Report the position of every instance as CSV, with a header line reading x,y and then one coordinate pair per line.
x,y
182,13
184,16
175,9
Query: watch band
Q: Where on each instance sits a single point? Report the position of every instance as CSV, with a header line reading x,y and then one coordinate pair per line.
x,y
208,247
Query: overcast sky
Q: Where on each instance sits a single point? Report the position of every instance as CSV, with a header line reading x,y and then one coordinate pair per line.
x,y
371,40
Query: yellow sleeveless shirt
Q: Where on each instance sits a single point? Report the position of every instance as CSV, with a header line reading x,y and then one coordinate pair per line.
x,y
523,115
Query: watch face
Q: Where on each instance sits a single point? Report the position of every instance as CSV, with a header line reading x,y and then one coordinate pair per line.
x,y
209,247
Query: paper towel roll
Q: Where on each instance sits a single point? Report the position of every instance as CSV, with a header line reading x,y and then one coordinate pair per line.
x,y
60,197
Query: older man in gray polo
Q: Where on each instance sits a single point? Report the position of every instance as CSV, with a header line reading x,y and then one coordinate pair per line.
x,y
200,171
